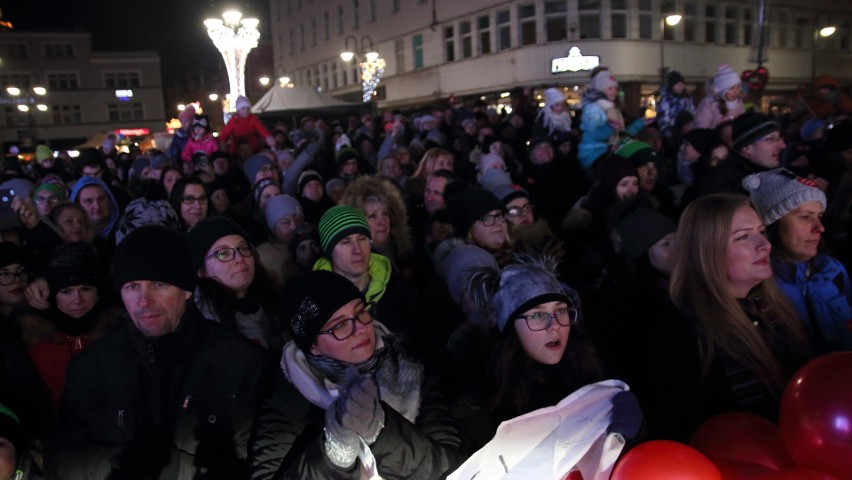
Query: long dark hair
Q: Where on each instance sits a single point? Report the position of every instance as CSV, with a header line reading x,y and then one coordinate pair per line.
x,y
176,197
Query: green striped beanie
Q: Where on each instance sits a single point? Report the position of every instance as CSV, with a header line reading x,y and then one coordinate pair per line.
x,y
338,222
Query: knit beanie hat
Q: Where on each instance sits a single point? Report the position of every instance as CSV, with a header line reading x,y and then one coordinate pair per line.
x,y
603,80
725,78
534,142
305,231
242,101
751,126
310,299
489,161
253,164
338,222
154,253
639,153
673,79
640,229
10,254
334,183
776,192
202,121
704,140
138,164
11,429
159,160
345,154
522,287
58,191
613,169
552,96
279,207
260,186
469,205
207,232
42,153
459,262
509,191
146,211
72,264
308,176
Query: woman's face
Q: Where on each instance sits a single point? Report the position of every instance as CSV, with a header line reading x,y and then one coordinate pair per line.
x,y
236,274
627,187
169,180
220,201
747,254
351,256
611,92
356,349
267,193
307,253
192,213
718,154
443,162
73,224
379,221
313,190
678,88
801,231
13,294
660,254
734,92
544,346
77,301
493,236
522,209
497,149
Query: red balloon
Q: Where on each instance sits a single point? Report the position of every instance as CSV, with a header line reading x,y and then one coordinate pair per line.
x,y
799,474
742,437
816,415
664,460
734,470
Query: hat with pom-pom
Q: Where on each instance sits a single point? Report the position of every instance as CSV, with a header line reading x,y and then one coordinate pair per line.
x,y
777,192
725,78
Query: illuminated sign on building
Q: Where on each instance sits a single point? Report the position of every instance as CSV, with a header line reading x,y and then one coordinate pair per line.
x,y
124,94
133,132
574,62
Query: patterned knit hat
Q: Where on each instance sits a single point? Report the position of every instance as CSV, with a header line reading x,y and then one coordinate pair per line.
x,y
310,299
338,222
155,253
776,192
202,121
260,186
725,78
751,126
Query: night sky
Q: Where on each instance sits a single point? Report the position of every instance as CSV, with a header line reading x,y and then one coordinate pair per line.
x,y
173,28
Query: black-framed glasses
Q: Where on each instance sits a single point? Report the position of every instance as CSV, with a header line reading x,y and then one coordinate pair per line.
x,y
543,320
189,200
229,253
518,211
7,278
491,219
346,327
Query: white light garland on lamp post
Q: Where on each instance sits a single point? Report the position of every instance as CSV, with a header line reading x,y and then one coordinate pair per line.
x,y
234,38
372,67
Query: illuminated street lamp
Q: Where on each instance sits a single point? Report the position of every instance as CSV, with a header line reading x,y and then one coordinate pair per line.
x,y
213,97
670,20
819,32
26,100
181,107
372,66
234,38
264,81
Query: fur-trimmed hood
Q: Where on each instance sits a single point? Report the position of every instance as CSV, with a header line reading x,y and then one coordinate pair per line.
x,y
364,187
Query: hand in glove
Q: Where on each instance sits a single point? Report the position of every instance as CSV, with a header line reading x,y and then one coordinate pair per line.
x,y
627,417
355,415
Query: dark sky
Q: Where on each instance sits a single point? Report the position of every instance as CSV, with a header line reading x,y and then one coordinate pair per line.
x,y
173,28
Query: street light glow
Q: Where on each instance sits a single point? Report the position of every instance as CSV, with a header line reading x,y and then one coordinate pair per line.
x,y
14,91
347,56
372,56
24,108
232,17
41,107
264,80
213,97
827,31
181,107
673,20
234,39
39,90
284,81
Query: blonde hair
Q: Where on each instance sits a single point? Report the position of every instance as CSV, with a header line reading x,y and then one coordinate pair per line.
x,y
427,163
699,286
366,189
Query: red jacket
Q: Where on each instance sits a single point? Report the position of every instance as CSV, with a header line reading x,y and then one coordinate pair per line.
x,y
249,128
207,144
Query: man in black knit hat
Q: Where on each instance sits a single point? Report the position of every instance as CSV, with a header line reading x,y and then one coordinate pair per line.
x,y
170,395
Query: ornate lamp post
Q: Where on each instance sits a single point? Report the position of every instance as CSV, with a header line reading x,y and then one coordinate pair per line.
x,y
234,38
27,101
372,66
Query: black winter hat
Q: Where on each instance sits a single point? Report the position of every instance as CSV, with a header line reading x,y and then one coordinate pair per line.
x,y
641,229
674,78
751,126
73,264
467,206
310,299
306,177
207,232
156,253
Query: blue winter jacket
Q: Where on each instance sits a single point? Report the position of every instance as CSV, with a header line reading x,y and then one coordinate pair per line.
x,y
597,132
821,299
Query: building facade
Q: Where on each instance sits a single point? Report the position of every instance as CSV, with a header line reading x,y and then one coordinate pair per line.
x,y
85,92
435,49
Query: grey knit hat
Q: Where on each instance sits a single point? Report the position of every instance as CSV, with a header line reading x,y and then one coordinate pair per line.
x,y
776,192
522,287
279,207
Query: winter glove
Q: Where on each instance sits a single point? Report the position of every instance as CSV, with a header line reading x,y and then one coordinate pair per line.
x,y
355,415
626,415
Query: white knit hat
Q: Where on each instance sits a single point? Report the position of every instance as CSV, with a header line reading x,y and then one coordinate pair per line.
x,y
552,96
603,80
777,192
242,102
725,78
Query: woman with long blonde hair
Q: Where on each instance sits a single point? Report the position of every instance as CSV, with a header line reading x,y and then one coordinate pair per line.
x,y
735,340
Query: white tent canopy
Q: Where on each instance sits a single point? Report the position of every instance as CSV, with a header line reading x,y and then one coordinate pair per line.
x,y
301,97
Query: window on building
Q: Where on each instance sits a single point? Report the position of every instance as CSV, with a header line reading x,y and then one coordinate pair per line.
x,y
417,51
556,20
804,35
504,30
483,26
62,81
13,50
526,20
325,76
121,79
449,44
710,24
399,54
843,35
646,30
690,11
123,111
313,32
340,19
14,118
466,33
301,37
67,114
372,12
292,42
782,23
394,6
590,18
731,16
747,26
334,81
355,20
325,23
20,80
619,18
58,50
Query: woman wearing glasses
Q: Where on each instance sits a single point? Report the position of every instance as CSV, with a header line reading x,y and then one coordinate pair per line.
x,y
479,218
190,200
349,402
13,278
234,288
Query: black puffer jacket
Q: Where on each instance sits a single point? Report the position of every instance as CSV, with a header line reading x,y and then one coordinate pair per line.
x,y
176,407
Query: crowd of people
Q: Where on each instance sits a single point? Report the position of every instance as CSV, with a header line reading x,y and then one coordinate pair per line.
x,y
373,298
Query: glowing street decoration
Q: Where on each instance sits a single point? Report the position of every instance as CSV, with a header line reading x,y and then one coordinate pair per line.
x,y
234,38
371,74
574,62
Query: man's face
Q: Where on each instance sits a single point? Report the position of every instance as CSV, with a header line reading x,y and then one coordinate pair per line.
x,y
433,195
93,171
95,202
154,307
765,150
